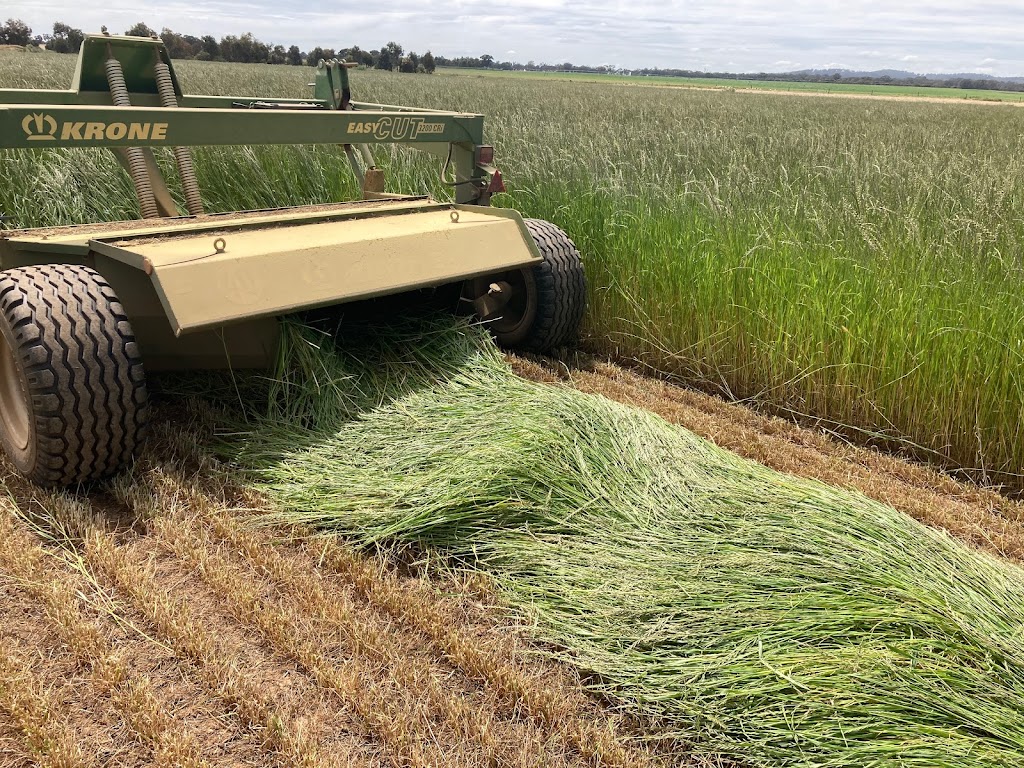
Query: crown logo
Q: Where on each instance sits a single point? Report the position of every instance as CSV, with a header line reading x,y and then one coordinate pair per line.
x,y
39,127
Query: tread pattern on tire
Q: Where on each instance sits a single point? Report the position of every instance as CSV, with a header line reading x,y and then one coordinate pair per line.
x,y
561,289
86,383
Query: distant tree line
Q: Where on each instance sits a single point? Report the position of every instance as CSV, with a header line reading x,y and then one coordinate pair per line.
x,y
811,77
247,49
244,48
488,62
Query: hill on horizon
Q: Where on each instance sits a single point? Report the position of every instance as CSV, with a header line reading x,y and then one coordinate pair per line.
x,y
900,74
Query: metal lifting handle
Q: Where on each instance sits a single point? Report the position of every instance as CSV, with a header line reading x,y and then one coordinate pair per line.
x,y
136,159
182,155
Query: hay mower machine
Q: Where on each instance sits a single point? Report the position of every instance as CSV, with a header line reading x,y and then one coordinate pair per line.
x,y
85,308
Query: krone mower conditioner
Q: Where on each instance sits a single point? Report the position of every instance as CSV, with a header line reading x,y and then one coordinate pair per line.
x,y
86,309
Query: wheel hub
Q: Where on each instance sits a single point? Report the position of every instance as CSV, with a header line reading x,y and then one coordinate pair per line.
x,y
14,410
505,301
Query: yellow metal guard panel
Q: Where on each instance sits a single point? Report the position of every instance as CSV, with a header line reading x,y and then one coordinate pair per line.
x,y
210,279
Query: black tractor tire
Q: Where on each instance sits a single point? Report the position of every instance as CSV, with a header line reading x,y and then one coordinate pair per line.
x,y
553,295
73,398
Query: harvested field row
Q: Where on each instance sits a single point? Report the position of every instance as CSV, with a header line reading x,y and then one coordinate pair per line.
x,y
980,516
48,738
104,689
202,643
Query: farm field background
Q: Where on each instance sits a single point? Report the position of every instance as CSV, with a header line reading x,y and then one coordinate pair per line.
x,y
746,85
851,261
723,612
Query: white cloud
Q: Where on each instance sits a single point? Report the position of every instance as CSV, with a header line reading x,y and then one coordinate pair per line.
x,y
945,35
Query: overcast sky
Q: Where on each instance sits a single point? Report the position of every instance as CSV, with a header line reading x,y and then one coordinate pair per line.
x,y
728,35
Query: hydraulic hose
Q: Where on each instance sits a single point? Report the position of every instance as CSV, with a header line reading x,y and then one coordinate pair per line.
x,y
136,159
182,155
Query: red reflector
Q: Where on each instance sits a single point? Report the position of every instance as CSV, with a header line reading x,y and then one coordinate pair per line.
x,y
496,185
484,154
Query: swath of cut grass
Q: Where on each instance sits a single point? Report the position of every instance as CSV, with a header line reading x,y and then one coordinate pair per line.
x,y
980,516
754,615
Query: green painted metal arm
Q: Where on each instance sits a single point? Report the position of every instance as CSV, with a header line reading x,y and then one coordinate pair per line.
x,y
83,116
25,126
141,99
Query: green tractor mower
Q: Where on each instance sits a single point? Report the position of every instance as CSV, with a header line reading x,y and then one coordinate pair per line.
x,y
86,309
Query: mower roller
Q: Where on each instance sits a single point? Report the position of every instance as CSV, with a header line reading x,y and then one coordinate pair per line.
x,y
86,309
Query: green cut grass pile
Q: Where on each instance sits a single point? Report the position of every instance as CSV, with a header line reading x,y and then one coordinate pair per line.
x,y
752,615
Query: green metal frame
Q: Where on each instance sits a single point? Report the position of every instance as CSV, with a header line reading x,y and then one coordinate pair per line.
x,y
83,116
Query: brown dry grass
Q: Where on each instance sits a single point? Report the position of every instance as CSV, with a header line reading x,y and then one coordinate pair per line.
x,y
212,657
390,712
547,695
979,516
110,678
47,739
190,648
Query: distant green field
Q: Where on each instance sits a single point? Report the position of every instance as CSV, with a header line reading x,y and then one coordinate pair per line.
x,y
753,85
